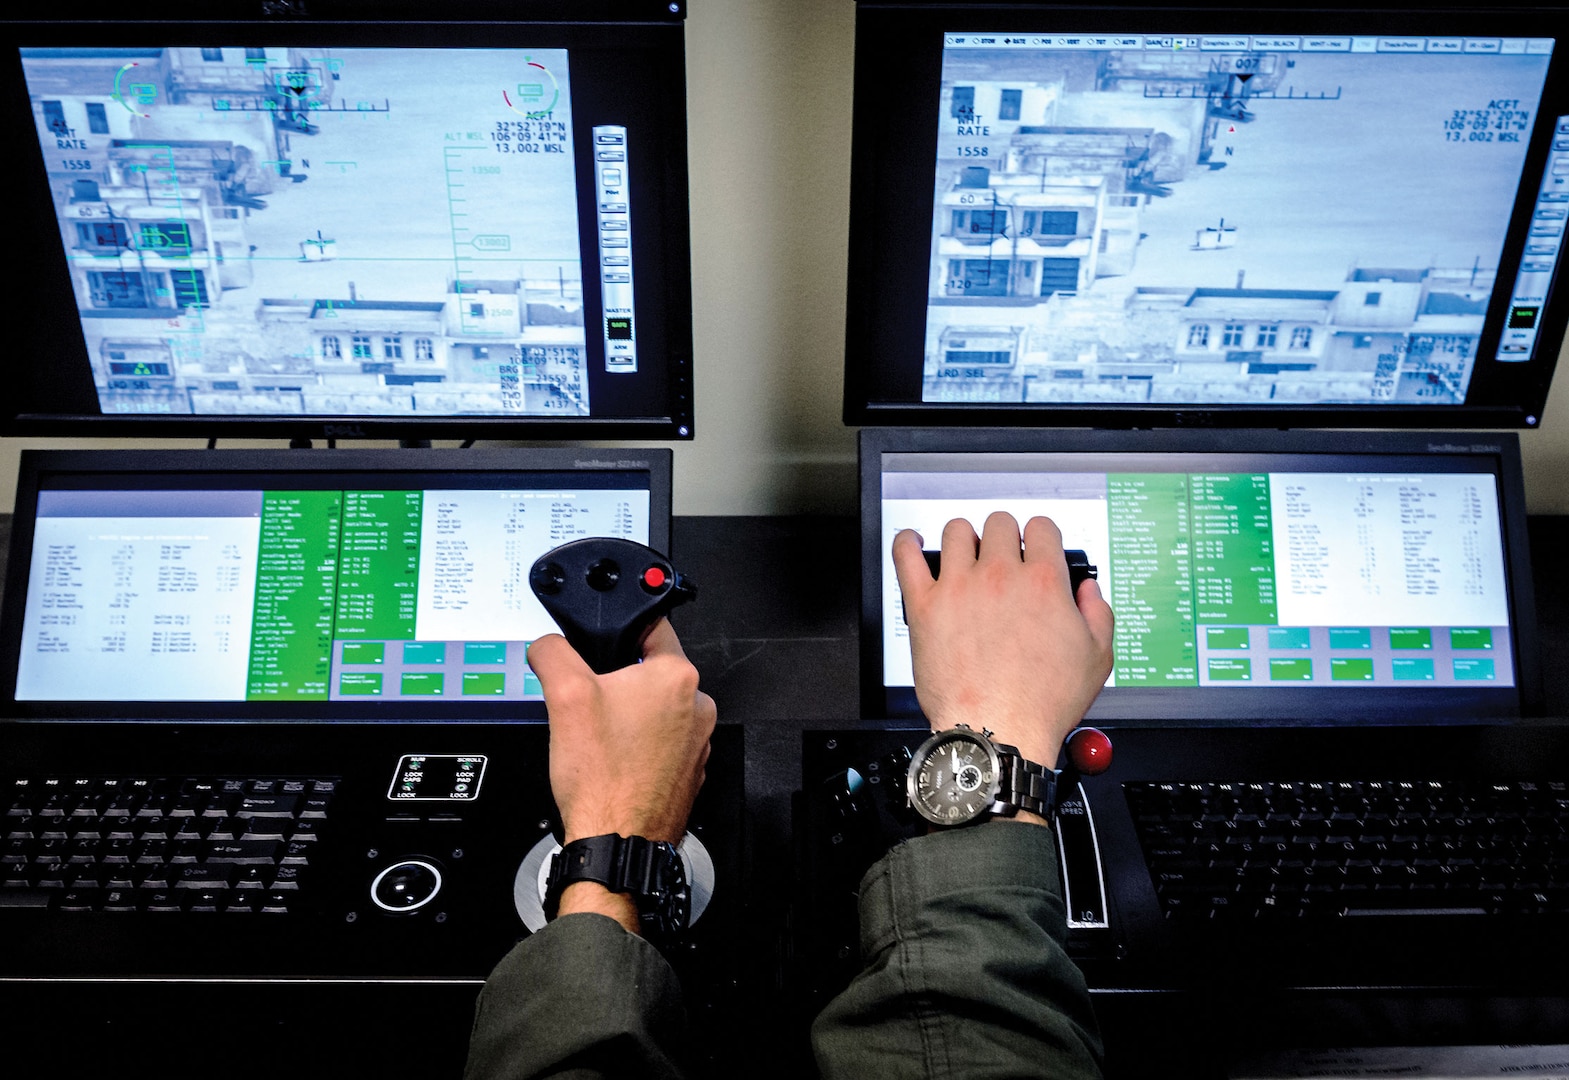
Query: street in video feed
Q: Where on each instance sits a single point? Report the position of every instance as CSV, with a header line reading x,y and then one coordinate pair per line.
x,y
1130,226
352,232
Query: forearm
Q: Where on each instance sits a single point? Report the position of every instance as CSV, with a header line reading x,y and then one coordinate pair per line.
x,y
580,998
962,939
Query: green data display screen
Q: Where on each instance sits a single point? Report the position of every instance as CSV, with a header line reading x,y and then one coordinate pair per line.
x,y
363,594
1225,579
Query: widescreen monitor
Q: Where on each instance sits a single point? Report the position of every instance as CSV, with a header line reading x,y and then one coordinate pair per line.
x,y
1256,577
1138,216
464,220
310,585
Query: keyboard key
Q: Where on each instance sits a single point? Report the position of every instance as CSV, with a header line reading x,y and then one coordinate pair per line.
x,y
244,852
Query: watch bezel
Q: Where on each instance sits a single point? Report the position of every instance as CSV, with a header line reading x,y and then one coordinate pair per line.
x,y
928,749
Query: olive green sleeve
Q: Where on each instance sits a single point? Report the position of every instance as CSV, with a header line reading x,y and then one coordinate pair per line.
x,y
582,998
964,971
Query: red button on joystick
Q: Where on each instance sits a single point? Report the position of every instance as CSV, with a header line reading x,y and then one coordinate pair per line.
x,y
1089,750
653,577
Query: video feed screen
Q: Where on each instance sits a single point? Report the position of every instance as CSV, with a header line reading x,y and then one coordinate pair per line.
x,y
1327,223
277,230
1213,218
310,225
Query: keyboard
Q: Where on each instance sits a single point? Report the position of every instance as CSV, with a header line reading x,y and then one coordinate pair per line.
x,y
1314,850
159,845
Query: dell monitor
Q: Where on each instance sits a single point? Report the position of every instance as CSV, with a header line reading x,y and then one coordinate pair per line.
x,y
1190,215
1257,577
250,585
335,220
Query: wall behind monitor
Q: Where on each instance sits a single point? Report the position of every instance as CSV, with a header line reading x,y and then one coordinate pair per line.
x,y
768,90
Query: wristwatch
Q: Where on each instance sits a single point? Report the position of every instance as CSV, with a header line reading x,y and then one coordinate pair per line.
x,y
960,776
650,871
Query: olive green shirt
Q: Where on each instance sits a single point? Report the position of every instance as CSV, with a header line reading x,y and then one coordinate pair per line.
x,y
964,976
963,968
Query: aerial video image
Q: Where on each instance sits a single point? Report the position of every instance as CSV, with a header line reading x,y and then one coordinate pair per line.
x,y
1250,221
288,231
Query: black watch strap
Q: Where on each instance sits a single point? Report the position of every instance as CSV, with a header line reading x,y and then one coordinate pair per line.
x,y
650,871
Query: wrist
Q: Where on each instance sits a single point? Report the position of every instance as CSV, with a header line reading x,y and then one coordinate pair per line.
x,y
591,897
640,883
1027,817
621,825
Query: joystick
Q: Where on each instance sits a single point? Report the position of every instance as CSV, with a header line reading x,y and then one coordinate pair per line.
x,y
606,594
1079,566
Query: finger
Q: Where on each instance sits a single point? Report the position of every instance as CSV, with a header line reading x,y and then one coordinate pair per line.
x,y
1000,540
555,662
661,640
909,565
1097,614
1043,550
960,545
1042,540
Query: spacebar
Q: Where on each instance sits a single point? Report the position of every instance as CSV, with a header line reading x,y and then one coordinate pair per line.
x,y
24,898
1416,911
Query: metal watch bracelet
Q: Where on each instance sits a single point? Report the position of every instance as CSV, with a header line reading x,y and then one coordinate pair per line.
x,y
1027,785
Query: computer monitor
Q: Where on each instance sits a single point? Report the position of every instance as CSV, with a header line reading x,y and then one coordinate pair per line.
x,y
338,219
1256,577
1196,215
282,584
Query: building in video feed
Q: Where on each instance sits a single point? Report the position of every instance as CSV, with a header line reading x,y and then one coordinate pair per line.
x,y
280,231
1174,220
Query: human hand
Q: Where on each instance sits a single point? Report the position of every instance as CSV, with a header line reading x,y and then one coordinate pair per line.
x,y
627,750
999,641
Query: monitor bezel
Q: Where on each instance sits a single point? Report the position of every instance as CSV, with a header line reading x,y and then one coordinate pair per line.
x,y
42,469
898,53
59,397
1497,453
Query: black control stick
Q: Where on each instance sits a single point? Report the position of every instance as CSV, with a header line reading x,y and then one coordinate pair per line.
x,y
606,594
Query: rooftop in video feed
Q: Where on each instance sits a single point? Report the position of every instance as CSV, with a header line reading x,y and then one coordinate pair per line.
x,y
1283,220
281,231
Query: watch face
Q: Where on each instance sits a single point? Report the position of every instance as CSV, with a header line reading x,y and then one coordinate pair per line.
x,y
953,778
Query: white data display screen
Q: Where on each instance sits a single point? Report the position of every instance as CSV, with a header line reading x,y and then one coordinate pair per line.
x,y
297,596
1252,579
1365,549
139,602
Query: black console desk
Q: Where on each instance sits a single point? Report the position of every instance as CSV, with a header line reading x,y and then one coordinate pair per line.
x,y
774,634
775,637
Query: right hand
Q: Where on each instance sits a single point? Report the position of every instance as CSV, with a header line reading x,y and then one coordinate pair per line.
x,y
999,641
